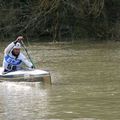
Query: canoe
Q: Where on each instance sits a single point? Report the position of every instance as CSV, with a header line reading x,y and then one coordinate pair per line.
x,y
34,75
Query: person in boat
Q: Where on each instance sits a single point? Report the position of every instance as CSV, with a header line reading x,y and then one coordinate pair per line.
x,y
13,58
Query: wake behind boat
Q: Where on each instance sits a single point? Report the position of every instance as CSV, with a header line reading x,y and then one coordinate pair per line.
x,y
34,75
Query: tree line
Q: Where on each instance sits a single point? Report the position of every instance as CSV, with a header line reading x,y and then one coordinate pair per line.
x,y
59,19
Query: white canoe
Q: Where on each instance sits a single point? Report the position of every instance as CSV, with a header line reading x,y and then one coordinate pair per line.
x,y
34,75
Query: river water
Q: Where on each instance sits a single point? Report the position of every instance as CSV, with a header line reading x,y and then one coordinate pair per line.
x,y
85,84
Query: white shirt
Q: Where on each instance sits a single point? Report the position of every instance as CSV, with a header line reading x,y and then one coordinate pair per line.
x,y
11,61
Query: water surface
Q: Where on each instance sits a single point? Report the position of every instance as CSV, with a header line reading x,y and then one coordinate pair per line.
x,y
85,84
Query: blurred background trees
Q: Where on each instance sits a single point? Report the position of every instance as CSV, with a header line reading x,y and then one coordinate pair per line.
x,y
59,19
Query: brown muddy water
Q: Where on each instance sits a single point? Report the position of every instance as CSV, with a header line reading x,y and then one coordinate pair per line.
x,y
85,84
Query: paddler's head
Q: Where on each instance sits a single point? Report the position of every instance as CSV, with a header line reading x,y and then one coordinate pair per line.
x,y
16,49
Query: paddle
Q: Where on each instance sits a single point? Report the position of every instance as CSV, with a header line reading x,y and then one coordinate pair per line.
x,y
25,48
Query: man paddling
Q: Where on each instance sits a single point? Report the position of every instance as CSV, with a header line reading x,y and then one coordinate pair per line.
x,y
13,58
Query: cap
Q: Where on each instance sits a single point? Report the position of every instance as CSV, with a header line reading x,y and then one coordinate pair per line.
x,y
17,45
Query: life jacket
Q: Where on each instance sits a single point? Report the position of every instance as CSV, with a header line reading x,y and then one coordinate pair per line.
x,y
11,63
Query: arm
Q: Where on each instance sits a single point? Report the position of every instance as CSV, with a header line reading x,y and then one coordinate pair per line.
x,y
11,45
9,48
27,63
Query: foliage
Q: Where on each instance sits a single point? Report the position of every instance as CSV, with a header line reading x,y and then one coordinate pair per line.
x,y
60,18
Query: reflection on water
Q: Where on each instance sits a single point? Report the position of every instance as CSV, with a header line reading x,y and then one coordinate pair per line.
x,y
22,101
85,84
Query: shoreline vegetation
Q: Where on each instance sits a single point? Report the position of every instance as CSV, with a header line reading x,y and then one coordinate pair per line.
x,y
60,20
